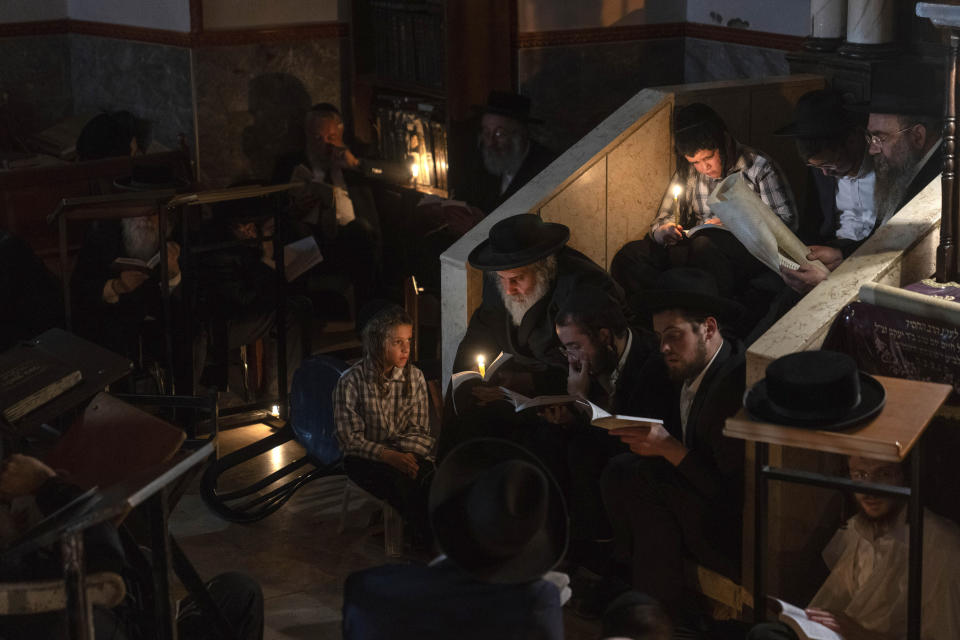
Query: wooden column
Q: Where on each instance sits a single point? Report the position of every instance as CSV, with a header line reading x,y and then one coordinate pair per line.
x,y
947,250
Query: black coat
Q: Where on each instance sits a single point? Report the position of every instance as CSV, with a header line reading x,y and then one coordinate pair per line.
x,y
534,344
481,189
32,302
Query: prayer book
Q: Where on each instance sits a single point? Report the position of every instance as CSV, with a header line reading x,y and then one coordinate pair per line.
x,y
29,378
521,402
757,227
300,256
700,227
136,264
606,420
797,619
459,378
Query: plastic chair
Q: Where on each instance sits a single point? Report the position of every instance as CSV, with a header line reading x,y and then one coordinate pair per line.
x,y
311,424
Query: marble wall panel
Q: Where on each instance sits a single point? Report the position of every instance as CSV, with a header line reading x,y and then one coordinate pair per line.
x,y
574,87
638,172
152,81
251,100
582,206
35,80
709,60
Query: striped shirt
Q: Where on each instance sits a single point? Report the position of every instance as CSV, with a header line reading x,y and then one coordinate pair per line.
x,y
761,174
371,413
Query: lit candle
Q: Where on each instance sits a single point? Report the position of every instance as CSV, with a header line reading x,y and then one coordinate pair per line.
x,y
481,366
677,190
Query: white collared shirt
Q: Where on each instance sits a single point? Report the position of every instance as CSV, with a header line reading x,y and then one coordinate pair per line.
x,y
854,200
689,391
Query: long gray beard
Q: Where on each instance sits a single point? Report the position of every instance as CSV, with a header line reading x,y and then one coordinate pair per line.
x,y
518,305
509,161
140,238
892,183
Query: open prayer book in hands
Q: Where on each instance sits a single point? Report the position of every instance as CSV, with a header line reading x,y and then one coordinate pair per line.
x,y
459,378
797,619
521,402
135,264
757,227
606,420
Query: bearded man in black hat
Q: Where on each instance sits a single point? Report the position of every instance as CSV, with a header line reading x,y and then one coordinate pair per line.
x,y
679,492
500,522
507,158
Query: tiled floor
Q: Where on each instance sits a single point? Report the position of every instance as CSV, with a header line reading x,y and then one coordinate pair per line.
x,y
296,553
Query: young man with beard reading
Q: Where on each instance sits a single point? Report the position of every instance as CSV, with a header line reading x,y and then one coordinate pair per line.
x,y
679,492
864,597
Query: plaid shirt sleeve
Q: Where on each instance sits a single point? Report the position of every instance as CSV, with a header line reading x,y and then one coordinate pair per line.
x,y
415,432
348,396
771,185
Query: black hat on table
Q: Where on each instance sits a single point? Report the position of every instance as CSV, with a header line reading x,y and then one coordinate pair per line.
x,y
512,105
908,89
693,290
816,390
497,513
818,114
517,241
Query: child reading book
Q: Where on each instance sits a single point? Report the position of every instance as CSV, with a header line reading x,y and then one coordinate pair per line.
x,y
380,408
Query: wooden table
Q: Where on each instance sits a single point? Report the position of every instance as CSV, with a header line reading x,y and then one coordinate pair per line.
x,y
891,436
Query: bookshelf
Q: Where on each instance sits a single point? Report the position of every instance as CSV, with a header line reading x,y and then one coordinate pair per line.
x,y
418,67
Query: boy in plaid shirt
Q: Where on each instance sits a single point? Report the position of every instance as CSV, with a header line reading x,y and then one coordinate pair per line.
x,y
380,408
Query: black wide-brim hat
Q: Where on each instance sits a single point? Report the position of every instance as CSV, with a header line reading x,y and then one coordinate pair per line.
x,y
517,241
465,497
692,290
506,103
818,114
821,390
908,89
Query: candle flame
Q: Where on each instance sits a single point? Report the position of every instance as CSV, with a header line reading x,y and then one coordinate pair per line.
x,y
677,190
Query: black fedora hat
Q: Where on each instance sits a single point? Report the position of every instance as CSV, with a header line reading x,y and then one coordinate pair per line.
x,y
815,390
517,241
909,89
497,513
693,290
507,103
818,114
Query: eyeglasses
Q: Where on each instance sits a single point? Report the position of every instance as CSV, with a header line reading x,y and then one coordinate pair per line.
x,y
883,476
879,139
571,352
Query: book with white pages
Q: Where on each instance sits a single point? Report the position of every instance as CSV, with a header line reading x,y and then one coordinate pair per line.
x,y
459,378
521,402
603,419
301,256
801,624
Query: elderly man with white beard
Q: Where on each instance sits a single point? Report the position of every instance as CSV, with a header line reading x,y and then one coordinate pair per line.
x,y
529,274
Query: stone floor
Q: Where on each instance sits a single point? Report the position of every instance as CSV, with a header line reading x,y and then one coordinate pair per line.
x,y
296,554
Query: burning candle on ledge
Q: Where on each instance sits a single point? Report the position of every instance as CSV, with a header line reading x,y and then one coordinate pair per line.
x,y
677,190
481,366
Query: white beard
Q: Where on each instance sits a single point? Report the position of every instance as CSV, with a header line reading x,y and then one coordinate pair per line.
x,y
508,161
518,305
140,237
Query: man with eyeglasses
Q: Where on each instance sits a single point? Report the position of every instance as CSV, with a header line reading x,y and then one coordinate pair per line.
x,y
507,156
840,213
707,154
865,594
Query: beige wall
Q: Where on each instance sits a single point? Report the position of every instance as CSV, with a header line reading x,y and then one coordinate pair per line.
x,y
172,15
549,15
243,14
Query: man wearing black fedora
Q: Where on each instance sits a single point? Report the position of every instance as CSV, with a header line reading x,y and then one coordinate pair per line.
x,y
500,522
679,492
840,213
506,159
904,132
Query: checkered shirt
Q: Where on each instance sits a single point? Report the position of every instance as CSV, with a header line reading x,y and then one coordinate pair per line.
x,y
762,175
371,412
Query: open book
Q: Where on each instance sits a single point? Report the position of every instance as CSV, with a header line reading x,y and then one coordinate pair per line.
x,y
757,227
135,264
300,256
796,618
29,378
521,402
459,378
606,420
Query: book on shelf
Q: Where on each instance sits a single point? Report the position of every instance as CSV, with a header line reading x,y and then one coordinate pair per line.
x,y
459,378
30,378
801,624
603,419
136,264
757,227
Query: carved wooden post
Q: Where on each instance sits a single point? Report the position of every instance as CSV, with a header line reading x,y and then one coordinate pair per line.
x,y
947,250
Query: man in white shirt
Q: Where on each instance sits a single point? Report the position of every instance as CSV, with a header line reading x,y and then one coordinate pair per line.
x,y
865,595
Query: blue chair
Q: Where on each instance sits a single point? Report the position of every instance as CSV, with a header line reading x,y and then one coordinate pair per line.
x,y
311,424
